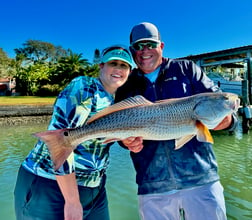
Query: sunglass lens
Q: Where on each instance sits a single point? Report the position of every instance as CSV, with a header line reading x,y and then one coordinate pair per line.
x,y
149,45
152,45
137,47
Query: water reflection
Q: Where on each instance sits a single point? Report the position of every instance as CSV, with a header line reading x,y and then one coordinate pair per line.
x,y
234,155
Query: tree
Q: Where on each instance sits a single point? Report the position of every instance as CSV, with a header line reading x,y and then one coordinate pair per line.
x,y
68,67
44,69
3,56
97,56
30,79
92,71
37,51
6,69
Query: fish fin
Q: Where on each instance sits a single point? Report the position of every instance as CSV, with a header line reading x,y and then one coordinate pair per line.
x,y
203,134
111,140
58,145
180,142
170,100
124,104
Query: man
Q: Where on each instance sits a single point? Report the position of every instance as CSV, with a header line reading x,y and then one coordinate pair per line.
x,y
172,184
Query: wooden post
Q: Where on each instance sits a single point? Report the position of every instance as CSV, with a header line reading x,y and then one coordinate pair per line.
x,y
246,111
245,92
249,78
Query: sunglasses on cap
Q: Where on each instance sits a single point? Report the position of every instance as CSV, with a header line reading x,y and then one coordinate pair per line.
x,y
150,45
114,48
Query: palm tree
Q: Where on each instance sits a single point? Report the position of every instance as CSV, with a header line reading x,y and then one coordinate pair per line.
x,y
69,67
74,61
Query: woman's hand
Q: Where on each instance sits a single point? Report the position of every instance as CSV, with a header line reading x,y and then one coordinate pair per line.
x,y
73,211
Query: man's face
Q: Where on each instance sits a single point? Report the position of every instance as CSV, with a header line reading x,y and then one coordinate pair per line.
x,y
147,55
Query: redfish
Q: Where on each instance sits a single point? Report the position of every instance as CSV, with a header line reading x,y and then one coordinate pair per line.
x,y
180,119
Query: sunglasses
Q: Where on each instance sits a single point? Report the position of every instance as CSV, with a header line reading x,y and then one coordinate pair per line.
x,y
149,45
114,48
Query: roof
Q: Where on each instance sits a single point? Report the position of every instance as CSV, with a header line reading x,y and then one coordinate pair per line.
x,y
220,52
4,80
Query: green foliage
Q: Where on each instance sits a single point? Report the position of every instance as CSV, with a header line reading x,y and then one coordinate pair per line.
x,y
92,71
50,90
31,78
38,51
40,68
3,57
67,68
6,69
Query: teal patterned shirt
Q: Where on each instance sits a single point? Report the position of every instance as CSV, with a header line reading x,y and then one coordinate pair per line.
x,y
81,99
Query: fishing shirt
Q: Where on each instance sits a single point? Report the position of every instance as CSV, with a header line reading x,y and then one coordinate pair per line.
x,y
80,100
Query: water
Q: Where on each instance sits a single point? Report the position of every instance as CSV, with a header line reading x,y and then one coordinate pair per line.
x,y
234,154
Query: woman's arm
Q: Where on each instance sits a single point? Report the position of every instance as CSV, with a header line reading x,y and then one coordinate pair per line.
x,y
68,186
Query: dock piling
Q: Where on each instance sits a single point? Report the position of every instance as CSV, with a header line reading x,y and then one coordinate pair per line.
x,y
246,109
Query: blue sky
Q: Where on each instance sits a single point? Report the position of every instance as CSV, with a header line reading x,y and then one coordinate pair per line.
x,y
187,27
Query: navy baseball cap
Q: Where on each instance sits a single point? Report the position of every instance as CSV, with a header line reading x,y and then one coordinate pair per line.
x,y
144,32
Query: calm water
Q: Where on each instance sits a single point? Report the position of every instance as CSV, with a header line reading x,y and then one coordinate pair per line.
x,y
234,154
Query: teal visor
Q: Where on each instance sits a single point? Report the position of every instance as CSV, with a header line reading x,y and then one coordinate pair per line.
x,y
117,54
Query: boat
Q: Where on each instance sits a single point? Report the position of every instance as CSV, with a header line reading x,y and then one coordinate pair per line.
x,y
226,85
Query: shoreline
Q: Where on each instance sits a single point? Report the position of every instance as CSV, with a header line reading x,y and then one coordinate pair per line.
x,y
25,114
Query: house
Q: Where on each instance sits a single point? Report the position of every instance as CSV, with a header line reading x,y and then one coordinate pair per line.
x,y
7,86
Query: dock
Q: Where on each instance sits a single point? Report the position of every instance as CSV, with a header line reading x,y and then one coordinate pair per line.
x,y
231,70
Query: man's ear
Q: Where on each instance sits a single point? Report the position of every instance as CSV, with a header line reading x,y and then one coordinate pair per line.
x,y
162,45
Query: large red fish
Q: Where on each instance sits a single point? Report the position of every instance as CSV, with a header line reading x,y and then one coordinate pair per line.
x,y
180,119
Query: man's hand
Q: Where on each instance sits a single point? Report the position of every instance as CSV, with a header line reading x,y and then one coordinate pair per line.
x,y
134,144
225,123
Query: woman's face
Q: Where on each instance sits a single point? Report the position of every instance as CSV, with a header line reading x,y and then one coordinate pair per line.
x,y
114,74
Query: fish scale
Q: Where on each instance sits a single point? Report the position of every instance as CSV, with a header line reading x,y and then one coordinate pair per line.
x,y
179,119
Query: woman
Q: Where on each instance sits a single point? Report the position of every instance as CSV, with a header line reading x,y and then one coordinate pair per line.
x,y
77,189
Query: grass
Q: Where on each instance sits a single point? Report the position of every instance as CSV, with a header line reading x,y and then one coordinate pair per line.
x,y
26,100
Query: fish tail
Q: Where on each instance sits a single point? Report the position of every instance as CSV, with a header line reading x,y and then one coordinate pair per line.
x,y
58,145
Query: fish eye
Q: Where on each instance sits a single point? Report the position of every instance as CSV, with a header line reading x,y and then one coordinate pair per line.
x,y
65,133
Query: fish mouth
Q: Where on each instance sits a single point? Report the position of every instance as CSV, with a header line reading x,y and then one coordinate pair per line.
x,y
234,103
231,101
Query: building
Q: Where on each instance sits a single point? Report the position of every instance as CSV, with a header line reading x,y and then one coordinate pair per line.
x,y
7,86
231,69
